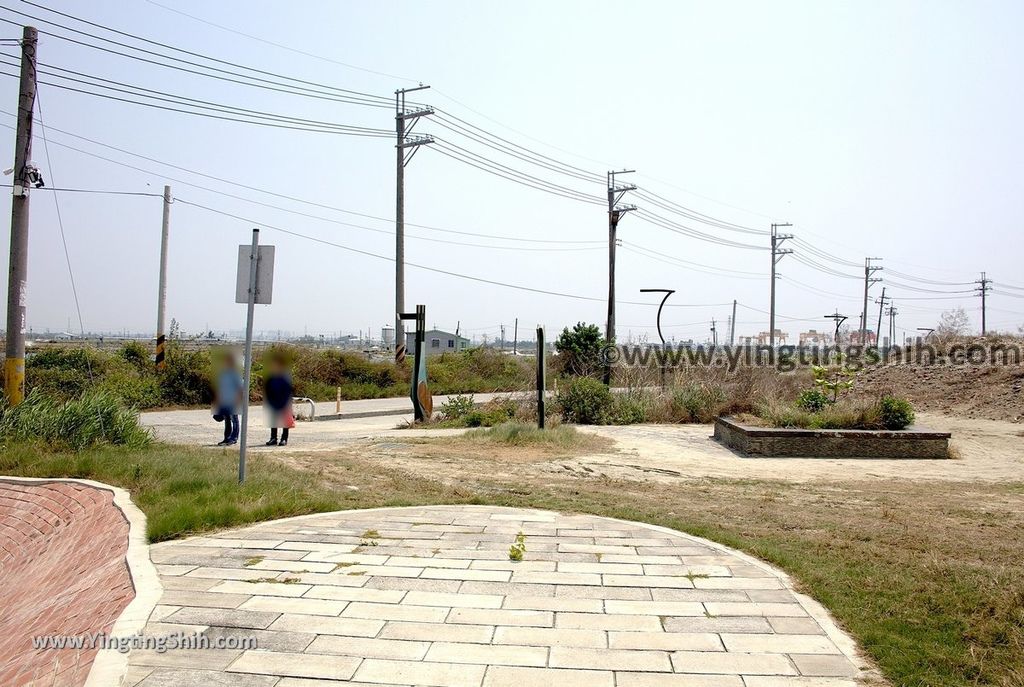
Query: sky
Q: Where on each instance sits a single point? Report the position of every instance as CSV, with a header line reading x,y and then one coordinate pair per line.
x,y
882,129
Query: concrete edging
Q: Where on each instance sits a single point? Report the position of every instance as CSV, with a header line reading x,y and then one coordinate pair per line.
x,y
110,665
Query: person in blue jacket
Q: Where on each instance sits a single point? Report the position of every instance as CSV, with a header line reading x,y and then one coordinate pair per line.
x,y
277,395
228,398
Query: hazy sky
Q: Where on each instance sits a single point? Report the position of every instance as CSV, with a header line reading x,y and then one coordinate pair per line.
x,y
888,129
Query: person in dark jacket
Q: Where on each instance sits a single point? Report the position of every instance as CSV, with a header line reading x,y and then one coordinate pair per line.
x,y
277,394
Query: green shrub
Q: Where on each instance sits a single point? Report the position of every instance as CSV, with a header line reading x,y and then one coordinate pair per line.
x,y
95,418
456,408
812,400
630,408
896,413
698,402
586,401
579,350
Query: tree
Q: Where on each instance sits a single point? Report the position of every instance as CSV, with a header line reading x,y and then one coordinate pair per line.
x,y
580,349
953,323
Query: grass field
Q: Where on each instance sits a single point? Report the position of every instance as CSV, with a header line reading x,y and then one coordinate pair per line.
x,y
929,578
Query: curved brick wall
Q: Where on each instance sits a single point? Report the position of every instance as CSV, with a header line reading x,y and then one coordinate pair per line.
x,y
62,572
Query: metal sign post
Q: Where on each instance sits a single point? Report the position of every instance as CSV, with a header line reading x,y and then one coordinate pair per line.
x,y
541,377
254,285
422,401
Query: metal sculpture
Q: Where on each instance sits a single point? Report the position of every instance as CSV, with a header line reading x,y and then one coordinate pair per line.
x,y
422,401
667,292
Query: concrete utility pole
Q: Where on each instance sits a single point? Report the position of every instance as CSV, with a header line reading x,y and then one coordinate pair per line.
x,y
405,148
714,334
24,177
881,304
161,305
777,254
891,312
732,325
515,337
984,286
869,270
615,212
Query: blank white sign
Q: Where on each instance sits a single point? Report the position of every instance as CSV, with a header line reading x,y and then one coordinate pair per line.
x,y
264,274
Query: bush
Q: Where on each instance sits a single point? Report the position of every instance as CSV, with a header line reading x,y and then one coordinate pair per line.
x,y
456,408
586,401
95,418
812,400
697,402
845,414
579,350
896,413
630,408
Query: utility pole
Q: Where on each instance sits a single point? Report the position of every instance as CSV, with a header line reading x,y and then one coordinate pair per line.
x,y
615,212
869,270
732,325
714,334
515,337
161,306
891,312
881,304
777,254
24,177
984,286
502,338
405,149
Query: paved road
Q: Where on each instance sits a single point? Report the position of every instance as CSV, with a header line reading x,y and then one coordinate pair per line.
x,y
428,596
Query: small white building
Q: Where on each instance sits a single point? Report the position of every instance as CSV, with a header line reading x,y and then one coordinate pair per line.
x,y
436,342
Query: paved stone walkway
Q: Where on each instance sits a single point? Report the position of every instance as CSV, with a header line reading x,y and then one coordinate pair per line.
x,y
428,596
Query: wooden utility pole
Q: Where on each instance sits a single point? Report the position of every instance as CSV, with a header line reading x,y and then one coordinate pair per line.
x,y
24,177
161,306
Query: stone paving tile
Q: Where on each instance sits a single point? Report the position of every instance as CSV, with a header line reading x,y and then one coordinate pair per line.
x,y
662,680
420,673
206,599
433,600
292,664
775,681
266,640
473,634
544,603
341,593
825,666
803,644
369,648
222,617
668,641
507,676
609,659
278,604
164,677
796,626
350,627
545,636
729,662
487,654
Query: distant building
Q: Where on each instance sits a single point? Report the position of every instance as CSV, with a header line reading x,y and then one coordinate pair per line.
x,y
436,342
813,337
869,340
764,338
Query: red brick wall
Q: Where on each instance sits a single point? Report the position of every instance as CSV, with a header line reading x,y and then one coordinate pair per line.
x,y
62,571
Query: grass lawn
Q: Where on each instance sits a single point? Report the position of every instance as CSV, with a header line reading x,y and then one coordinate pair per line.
x,y
929,577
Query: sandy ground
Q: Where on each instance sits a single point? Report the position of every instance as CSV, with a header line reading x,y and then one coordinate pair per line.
x,y
986,450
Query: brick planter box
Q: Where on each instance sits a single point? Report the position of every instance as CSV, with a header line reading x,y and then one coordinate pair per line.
x,y
831,443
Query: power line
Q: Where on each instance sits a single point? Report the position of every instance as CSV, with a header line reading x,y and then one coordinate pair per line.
x,y
358,97
437,270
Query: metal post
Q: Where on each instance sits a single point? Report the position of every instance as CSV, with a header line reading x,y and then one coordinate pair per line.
x,y
161,306
254,264
541,377
515,337
17,317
